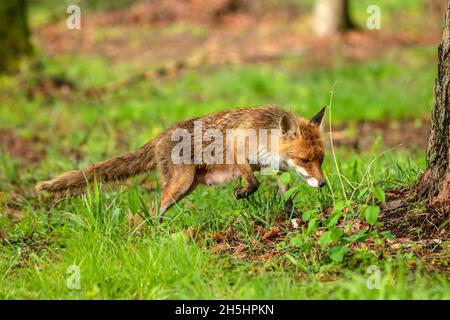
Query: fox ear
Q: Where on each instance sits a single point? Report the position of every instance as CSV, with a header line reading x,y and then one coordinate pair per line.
x,y
317,119
288,126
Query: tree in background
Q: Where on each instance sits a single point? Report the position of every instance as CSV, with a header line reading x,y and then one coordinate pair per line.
x,y
434,186
14,34
331,17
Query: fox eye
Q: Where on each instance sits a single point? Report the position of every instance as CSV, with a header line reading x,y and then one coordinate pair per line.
x,y
304,160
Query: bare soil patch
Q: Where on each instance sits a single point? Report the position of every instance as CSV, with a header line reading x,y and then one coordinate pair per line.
x,y
155,32
28,151
410,134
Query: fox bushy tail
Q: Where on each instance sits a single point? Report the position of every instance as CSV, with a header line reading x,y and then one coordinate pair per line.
x,y
116,169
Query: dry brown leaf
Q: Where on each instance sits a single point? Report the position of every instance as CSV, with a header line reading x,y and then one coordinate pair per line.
x,y
273,232
239,248
266,256
393,205
259,230
239,251
220,247
219,235
328,211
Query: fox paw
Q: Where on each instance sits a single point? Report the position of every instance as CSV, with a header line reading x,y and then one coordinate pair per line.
x,y
240,193
289,208
246,191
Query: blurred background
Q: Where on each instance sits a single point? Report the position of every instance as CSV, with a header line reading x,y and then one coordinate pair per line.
x,y
84,80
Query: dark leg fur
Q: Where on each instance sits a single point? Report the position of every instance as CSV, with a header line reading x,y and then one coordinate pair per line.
x,y
251,183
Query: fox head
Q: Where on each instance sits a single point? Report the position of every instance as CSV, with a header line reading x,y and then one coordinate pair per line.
x,y
302,147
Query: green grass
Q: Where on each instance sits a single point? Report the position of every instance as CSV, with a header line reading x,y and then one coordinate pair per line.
x,y
159,261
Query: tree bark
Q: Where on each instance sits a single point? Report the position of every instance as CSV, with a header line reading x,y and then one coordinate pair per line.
x,y
14,34
434,186
331,17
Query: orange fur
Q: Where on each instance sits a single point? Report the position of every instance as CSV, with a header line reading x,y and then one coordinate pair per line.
x,y
300,147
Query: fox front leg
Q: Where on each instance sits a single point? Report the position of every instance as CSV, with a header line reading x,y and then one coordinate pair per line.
x,y
288,204
251,183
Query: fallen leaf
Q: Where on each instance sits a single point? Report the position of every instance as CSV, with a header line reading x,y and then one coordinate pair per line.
x,y
219,235
395,192
260,230
392,205
271,233
395,246
220,247
266,256
319,233
239,248
295,223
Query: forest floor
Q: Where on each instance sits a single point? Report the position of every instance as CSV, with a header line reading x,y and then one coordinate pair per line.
x,y
342,245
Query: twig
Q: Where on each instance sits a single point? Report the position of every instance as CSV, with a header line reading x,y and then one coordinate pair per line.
x,y
332,144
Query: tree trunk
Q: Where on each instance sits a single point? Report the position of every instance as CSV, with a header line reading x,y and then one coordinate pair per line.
x,y
434,185
331,17
14,34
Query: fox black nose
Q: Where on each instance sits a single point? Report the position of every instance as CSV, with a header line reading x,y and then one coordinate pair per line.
x,y
322,183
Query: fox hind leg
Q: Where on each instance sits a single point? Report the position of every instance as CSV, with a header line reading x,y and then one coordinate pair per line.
x,y
178,183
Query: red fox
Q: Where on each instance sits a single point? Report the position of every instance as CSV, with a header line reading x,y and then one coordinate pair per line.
x,y
186,155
